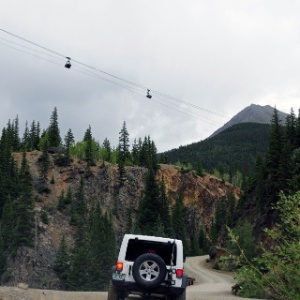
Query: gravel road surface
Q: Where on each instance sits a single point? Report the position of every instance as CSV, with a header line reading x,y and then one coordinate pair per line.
x,y
208,285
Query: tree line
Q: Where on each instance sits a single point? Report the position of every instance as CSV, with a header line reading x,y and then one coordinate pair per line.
x,y
87,264
270,269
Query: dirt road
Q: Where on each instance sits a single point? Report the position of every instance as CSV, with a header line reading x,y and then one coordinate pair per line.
x,y
209,285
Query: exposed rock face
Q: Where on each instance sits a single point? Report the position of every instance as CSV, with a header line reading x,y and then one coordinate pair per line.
x,y
35,266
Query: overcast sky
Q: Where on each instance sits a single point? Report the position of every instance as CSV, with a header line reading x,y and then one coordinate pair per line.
x,y
203,61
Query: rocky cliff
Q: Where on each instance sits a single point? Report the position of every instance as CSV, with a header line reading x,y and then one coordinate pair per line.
x,y
35,266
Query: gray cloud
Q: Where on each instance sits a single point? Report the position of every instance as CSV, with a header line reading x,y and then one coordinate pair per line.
x,y
218,55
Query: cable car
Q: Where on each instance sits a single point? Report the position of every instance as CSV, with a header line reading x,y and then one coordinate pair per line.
x,y
68,63
148,94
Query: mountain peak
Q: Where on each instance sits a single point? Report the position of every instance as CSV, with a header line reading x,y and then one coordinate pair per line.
x,y
253,113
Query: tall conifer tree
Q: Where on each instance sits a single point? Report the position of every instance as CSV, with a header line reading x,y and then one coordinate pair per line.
x,y
124,153
53,130
274,155
149,219
178,222
23,208
88,139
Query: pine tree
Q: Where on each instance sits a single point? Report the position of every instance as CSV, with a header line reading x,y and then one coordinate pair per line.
x,y
148,154
68,199
23,208
273,158
129,225
44,160
62,260
15,135
149,207
34,137
88,139
123,152
79,275
54,138
231,209
69,141
259,182
26,139
102,249
199,169
61,202
202,241
178,222
79,212
290,129
298,130
7,224
135,153
289,144
107,147
294,182
220,215
165,212
2,253
97,249
8,171
144,157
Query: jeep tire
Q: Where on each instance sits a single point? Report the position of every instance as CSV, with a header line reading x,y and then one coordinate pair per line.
x,y
149,270
181,296
112,292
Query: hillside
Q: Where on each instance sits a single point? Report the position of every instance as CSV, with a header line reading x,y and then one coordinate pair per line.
x,y
34,266
234,148
235,145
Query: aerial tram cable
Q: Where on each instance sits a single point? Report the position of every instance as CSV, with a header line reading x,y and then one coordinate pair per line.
x,y
32,54
20,45
129,88
148,95
83,64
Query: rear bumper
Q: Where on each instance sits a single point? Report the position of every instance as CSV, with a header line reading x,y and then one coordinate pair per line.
x,y
163,289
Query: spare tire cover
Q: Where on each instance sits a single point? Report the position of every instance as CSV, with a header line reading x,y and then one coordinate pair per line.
x,y
149,270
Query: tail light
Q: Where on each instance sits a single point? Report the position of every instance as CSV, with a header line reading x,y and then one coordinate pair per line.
x,y
119,266
179,273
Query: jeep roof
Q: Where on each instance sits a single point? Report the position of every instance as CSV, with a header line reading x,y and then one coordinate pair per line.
x,y
148,265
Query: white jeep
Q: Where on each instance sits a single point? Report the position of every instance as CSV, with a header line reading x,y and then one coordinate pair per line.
x,y
149,266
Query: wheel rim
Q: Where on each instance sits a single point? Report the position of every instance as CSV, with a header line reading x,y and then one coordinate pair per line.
x,y
149,270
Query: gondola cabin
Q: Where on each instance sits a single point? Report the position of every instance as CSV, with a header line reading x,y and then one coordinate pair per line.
x,y
68,63
148,94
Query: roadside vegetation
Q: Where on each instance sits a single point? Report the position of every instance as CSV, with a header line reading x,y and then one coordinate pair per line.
x,y
275,272
271,269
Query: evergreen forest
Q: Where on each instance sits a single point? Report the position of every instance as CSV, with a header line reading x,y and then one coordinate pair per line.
x,y
231,151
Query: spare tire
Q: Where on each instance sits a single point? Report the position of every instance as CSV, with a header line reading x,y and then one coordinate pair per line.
x,y
149,270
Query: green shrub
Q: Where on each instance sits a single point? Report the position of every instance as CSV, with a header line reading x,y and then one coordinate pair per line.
x,y
44,217
275,274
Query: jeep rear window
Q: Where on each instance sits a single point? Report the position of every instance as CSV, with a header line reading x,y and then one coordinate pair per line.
x,y
138,247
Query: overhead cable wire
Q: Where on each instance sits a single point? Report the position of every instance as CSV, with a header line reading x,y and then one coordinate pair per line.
x,y
74,69
32,54
210,121
186,103
28,48
73,60
129,88
180,110
135,86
